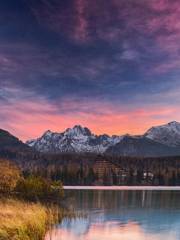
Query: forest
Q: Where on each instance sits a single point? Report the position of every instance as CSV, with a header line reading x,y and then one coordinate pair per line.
x,y
90,169
96,169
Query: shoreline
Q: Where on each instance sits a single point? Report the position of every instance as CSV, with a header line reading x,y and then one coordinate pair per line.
x,y
127,188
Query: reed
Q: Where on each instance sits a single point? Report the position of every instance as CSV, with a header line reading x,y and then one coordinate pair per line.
x,y
23,221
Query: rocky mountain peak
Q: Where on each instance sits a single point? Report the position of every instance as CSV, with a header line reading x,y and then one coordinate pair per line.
x,y
80,139
48,133
78,130
168,134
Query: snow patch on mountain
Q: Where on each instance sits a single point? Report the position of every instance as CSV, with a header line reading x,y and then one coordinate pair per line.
x,y
168,134
80,139
77,139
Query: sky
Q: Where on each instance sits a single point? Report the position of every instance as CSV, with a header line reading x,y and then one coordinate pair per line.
x,y
110,65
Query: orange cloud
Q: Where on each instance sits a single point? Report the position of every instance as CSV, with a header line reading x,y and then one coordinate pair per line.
x,y
29,119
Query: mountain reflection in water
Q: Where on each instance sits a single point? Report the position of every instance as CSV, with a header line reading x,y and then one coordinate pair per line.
x,y
125,215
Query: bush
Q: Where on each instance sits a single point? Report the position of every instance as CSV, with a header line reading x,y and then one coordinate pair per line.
x,y
9,176
38,188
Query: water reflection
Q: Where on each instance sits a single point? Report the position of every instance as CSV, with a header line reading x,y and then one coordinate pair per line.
x,y
125,215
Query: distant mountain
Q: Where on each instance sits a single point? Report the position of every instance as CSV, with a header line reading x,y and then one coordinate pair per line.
x,y
168,134
141,147
73,140
157,141
13,149
10,142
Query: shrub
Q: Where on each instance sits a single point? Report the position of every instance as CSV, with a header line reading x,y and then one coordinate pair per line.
x,y
9,176
57,189
38,188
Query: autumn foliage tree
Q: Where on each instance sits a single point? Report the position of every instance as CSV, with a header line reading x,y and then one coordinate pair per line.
x,y
9,176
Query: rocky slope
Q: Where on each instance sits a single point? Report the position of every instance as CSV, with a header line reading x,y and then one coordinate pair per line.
x,y
157,141
141,147
10,142
168,134
76,139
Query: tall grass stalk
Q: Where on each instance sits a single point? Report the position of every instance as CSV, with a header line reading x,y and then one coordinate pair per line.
x,y
22,221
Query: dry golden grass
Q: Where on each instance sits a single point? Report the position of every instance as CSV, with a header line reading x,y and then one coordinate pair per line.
x,y
22,221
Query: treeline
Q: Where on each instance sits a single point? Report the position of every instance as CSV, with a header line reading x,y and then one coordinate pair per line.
x,y
29,204
93,169
90,169
31,187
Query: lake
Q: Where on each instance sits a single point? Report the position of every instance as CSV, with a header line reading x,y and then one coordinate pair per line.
x,y
121,215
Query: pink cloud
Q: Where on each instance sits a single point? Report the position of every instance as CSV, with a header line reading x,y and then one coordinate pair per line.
x,y
168,41
81,25
115,22
29,119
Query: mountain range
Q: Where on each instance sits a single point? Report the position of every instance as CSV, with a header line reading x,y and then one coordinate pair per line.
x,y
158,141
8,142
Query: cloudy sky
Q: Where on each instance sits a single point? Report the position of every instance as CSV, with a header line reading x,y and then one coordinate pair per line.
x,y
110,65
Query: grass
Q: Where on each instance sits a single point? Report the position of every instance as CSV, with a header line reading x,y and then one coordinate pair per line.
x,y
29,221
23,221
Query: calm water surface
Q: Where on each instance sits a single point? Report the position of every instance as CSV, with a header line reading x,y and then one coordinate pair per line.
x,y
121,215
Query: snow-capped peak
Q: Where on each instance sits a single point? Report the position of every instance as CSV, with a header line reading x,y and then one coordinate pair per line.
x,y
174,125
168,134
80,139
76,139
47,133
76,131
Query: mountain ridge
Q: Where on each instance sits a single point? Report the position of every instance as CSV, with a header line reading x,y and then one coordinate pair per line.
x,y
141,147
9,141
168,134
80,139
76,139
